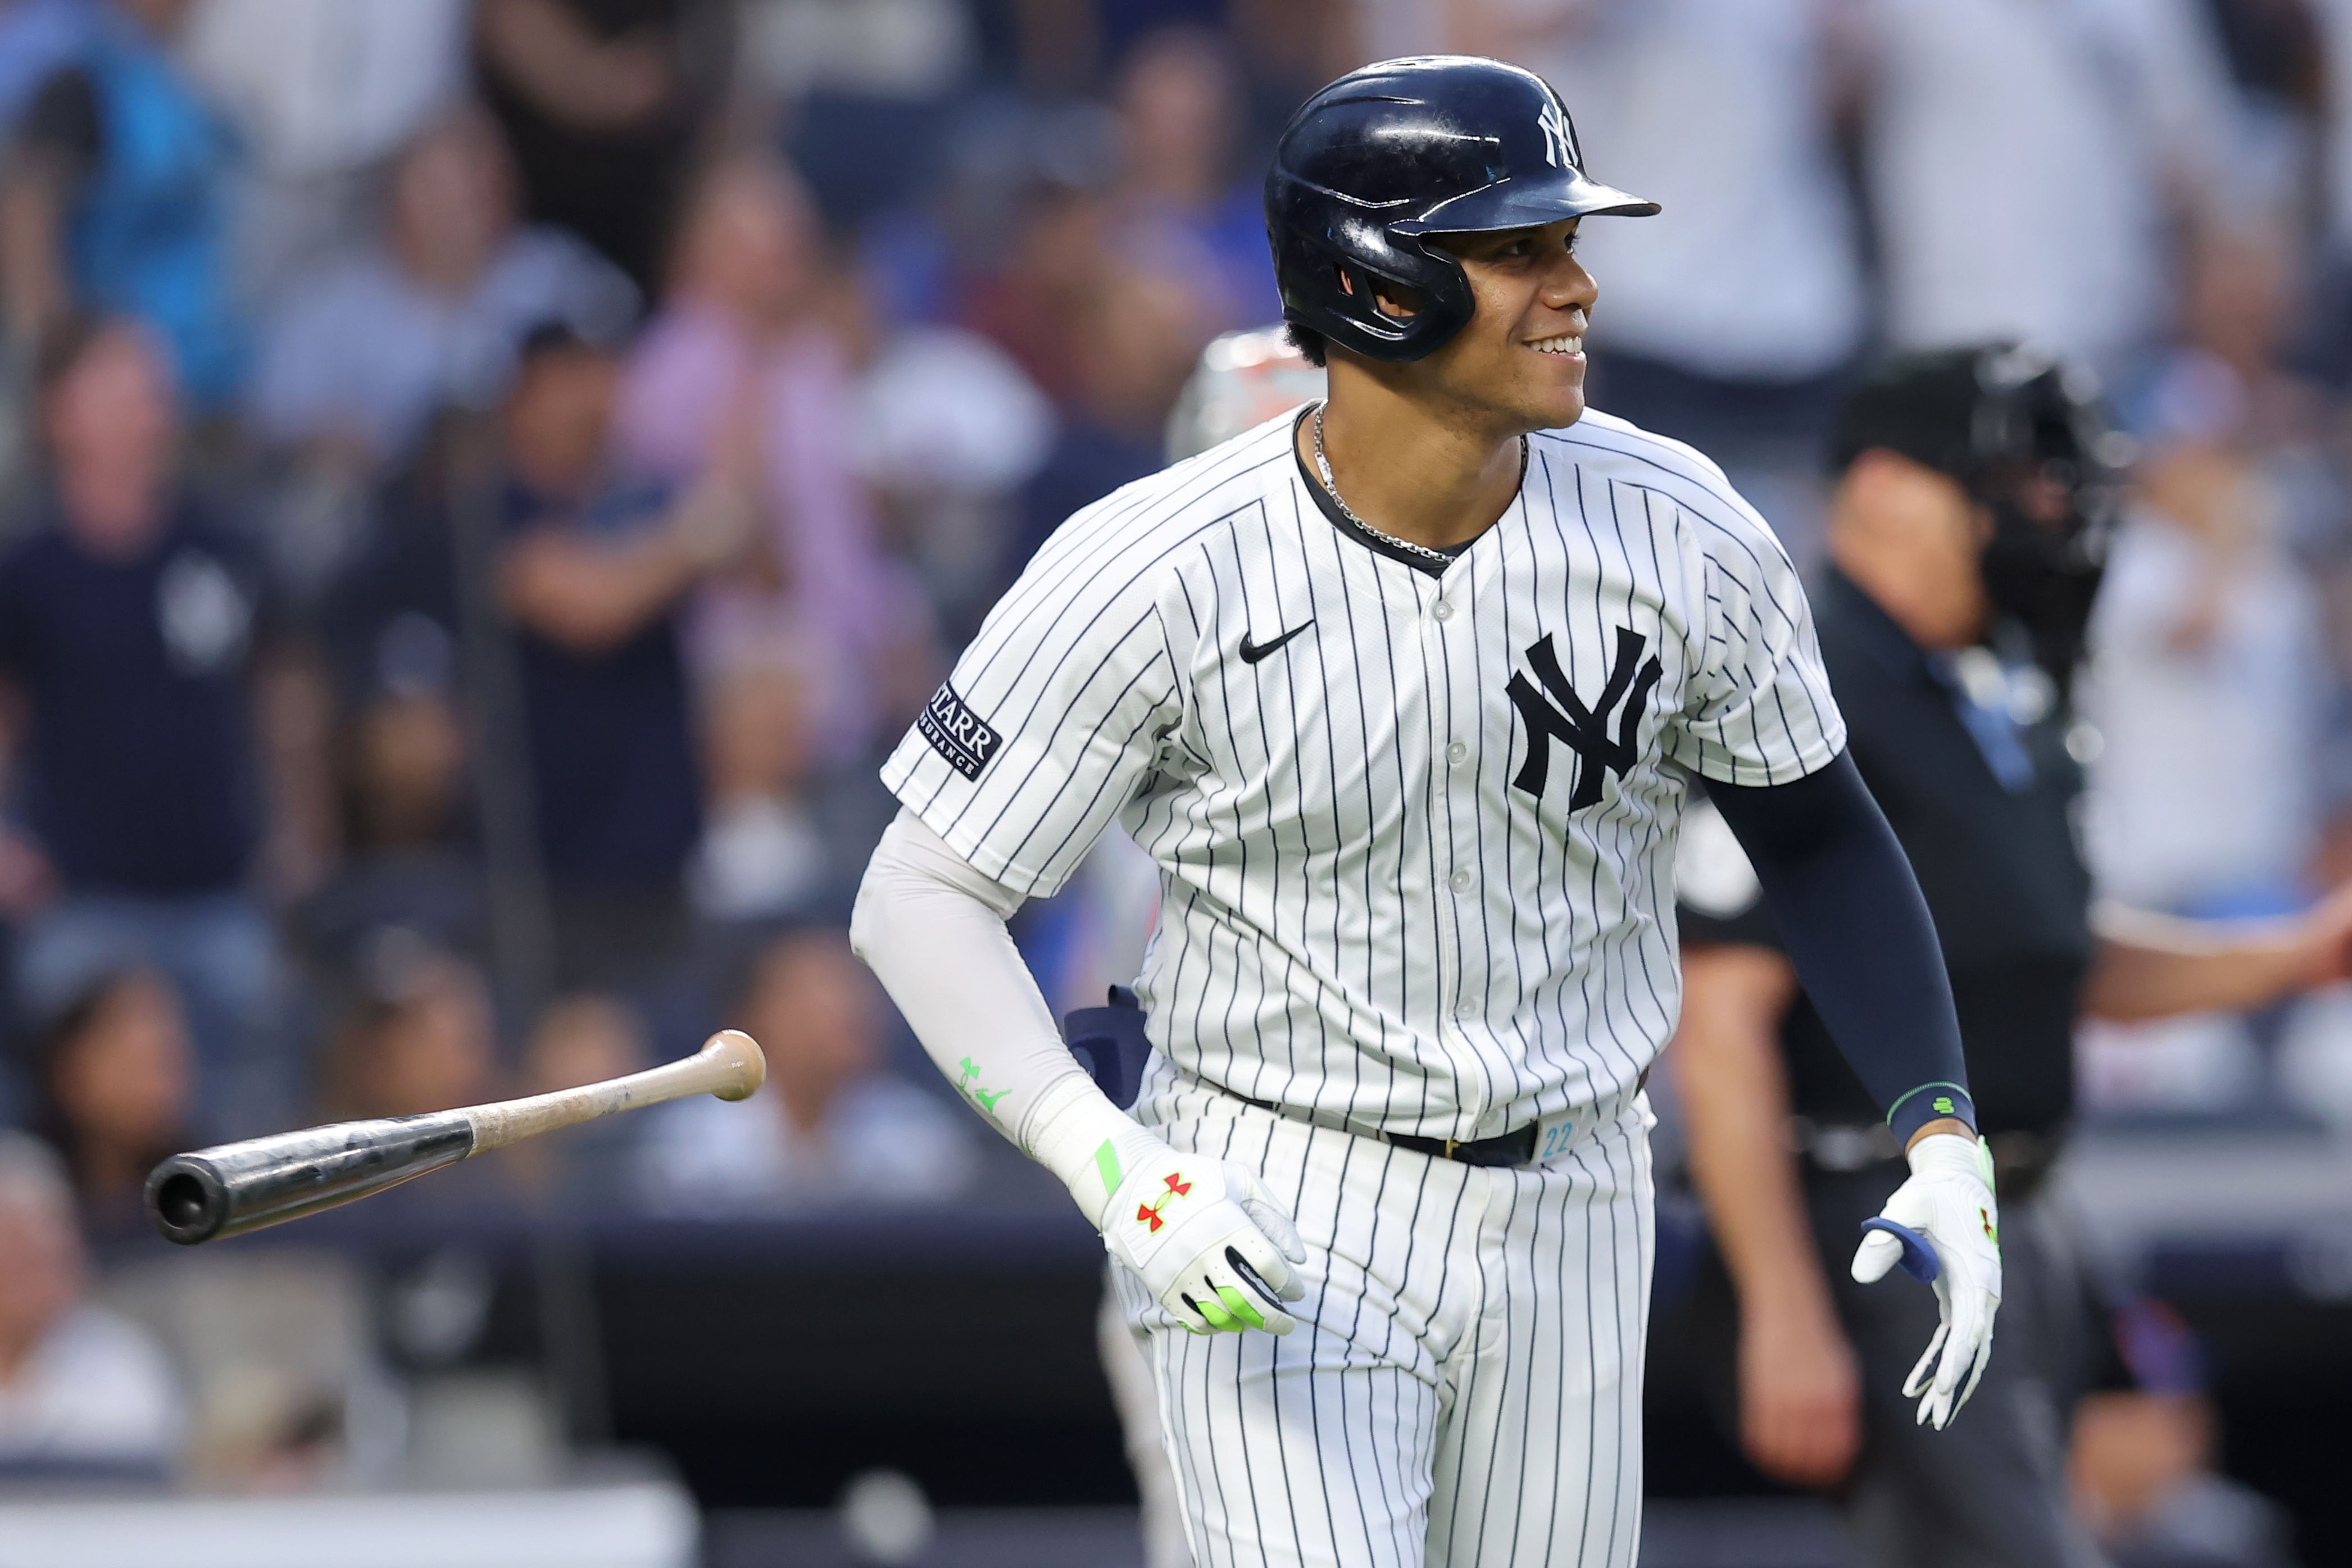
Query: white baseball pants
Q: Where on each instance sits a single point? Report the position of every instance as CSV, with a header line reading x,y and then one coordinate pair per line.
x,y
1464,1387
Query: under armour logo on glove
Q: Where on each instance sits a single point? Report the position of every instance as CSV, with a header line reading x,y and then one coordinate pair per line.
x,y
1583,730
1150,1212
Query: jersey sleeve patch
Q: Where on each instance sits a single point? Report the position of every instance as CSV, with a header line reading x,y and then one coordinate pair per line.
x,y
957,733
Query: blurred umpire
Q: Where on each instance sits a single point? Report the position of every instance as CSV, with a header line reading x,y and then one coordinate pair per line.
x,y
1976,490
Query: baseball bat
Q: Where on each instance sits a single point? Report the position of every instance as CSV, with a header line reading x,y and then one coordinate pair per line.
x,y
232,1188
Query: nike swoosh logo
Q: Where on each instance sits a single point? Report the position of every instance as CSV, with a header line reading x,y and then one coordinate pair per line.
x,y
1253,651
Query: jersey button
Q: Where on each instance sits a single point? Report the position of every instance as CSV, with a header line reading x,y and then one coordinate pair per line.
x,y
1462,880
1457,754
1443,610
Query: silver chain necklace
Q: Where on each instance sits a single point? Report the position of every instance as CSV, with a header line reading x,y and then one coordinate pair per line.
x,y
1331,488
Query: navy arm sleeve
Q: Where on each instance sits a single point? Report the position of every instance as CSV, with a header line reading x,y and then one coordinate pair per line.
x,y
1855,926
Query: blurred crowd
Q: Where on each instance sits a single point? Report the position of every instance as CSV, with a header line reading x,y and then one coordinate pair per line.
x,y
482,483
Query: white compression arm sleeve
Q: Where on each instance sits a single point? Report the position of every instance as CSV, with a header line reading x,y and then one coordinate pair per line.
x,y
932,929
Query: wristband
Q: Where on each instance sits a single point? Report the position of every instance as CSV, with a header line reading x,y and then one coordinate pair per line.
x,y
1930,1103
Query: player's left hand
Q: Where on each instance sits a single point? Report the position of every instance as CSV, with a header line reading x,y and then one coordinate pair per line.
x,y
1210,1243
1948,1200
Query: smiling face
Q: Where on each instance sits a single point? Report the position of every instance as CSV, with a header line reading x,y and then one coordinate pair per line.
x,y
1518,365
1521,357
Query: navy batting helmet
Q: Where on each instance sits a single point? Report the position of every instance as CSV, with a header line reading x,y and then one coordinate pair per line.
x,y
1389,155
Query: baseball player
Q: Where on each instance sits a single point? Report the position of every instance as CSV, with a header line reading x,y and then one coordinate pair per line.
x,y
1404,693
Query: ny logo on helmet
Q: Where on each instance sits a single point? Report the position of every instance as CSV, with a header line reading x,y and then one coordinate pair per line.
x,y
1559,151
1583,730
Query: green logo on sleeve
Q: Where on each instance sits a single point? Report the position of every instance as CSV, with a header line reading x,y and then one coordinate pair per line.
x,y
1943,1103
968,1083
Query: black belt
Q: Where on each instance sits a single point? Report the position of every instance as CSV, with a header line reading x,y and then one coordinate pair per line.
x,y
1514,1148
1504,1149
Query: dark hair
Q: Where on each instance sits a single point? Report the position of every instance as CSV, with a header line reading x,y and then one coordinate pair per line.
x,y
1307,342
56,1038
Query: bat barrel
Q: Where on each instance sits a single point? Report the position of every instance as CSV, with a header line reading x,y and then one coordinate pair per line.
x,y
231,1188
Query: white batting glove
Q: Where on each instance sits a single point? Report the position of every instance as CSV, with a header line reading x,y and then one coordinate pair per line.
x,y
1948,1202
1208,1241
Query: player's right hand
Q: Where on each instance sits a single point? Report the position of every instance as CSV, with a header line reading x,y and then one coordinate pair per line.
x,y
1949,1201
1208,1243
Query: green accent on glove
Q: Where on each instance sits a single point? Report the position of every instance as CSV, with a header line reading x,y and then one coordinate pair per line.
x,y
1107,1166
1217,1320
1984,1165
1241,1306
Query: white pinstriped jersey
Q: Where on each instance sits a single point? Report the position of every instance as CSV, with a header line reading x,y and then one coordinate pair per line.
x,y
1416,831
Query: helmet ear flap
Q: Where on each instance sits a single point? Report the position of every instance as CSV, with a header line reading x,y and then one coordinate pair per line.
x,y
1350,311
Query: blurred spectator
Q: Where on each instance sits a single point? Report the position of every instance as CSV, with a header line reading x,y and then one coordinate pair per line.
x,y
403,760
116,200
81,1389
762,854
2210,624
116,1094
364,354
585,1038
322,92
420,1038
132,628
749,350
832,1125
949,430
1722,110
1057,248
2021,161
407,750
602,101
2206,626
1137,335
2142,1463
594,576
1179,190
865,88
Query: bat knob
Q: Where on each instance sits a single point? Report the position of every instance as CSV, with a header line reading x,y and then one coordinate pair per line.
x,y
743,1068
187,1200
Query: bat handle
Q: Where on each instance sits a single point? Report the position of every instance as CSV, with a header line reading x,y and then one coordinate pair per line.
x,y
729,1065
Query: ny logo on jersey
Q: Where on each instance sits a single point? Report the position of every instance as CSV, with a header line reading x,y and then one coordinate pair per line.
x,y
1583,730
1559,151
